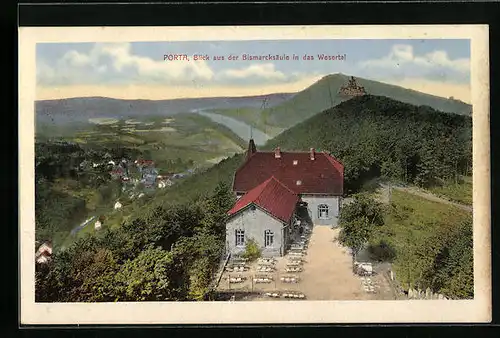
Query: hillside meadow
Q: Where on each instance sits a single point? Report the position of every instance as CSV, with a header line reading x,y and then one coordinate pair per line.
x,y
431,245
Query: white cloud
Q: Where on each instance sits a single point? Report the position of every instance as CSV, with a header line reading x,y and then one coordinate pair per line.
x,y
256,73
76,59
402,62
115,61
45,72
266,71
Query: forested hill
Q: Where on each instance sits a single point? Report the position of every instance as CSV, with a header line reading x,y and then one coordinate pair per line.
x,y
325,94
373,136
378,136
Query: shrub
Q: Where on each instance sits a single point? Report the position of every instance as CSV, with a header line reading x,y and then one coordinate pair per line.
x,y
252,250
382,251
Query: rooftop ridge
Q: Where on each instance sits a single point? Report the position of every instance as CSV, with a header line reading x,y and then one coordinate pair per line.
x,y
260,197
262,166
283,185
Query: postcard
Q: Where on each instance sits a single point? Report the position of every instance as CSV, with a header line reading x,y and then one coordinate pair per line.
x,y
239,175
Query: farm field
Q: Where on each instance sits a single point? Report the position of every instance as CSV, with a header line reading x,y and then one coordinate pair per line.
x,y
175,143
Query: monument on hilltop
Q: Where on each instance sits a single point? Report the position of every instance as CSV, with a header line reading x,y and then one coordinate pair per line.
x,y
352,89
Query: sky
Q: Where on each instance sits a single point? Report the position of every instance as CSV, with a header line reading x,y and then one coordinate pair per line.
x,y
138,70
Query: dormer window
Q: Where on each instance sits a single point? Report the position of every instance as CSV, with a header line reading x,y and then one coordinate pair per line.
x,y
299,182
295,162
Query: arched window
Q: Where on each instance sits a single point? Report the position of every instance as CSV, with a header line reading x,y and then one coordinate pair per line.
x,y
323,211
240,237
268,238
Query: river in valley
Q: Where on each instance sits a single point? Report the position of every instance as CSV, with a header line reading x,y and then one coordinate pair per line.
x,y
238,127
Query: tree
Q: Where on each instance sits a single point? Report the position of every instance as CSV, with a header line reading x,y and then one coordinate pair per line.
x,y
98,277
355,233
201,274
215,210
152,276
358,220
452,270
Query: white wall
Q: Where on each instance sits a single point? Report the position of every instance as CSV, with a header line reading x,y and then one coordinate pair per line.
x,y
255,222
333,202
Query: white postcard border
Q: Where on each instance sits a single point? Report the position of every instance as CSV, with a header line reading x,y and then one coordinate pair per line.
x,y
477,310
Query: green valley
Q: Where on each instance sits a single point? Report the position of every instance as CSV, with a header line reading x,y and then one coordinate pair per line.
x,y
174,229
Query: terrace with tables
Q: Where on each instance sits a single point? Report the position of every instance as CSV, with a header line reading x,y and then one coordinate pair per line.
x,y
276,277
316,267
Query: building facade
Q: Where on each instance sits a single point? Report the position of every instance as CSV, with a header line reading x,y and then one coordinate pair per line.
x,y
270,185
253,223
323,209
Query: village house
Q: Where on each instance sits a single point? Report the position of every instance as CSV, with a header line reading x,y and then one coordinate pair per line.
x,y
269,187
44,253
117,172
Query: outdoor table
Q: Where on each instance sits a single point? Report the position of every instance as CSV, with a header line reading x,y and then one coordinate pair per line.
x,y
293,269
264,269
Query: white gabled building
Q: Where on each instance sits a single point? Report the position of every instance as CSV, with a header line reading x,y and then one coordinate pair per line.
x,y
44,253
98,225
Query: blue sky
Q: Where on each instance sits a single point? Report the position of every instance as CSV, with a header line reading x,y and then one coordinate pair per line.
x,y
141,64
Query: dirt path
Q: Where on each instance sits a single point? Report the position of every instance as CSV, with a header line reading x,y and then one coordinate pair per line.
x,y
328,273
425,195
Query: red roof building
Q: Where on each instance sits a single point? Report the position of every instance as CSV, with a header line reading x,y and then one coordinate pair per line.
x,y
302,172
269,187
144,162
272,196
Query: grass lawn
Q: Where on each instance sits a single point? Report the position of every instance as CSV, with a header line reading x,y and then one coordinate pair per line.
x,y
411,224
460,192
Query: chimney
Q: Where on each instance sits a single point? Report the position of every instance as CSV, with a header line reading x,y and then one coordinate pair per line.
x,y
251,148
277,153
312,154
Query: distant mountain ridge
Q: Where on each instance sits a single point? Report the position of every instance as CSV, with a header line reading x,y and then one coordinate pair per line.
x,y
324,94
83,108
